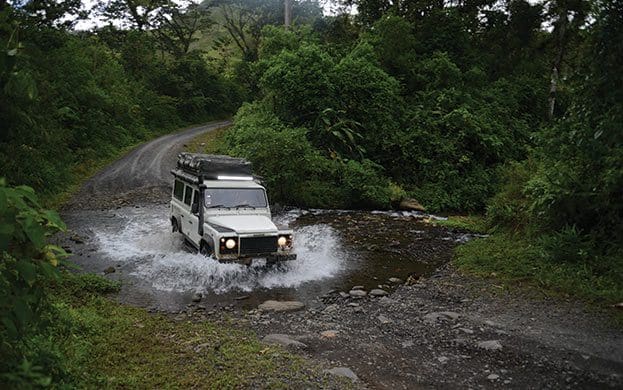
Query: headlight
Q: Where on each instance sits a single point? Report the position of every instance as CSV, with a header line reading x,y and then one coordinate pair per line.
x,y
230,244
282,241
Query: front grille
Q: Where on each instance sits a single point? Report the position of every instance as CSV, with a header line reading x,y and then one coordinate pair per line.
x,y
258,245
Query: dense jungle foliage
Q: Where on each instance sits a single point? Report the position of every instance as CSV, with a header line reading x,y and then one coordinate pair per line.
x,y
508,108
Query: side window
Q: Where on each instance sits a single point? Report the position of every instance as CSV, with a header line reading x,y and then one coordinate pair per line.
x,y
188,195
196,197
178,190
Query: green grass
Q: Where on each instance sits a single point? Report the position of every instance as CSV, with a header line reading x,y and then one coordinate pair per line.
x,y
518,260
105,344
472,223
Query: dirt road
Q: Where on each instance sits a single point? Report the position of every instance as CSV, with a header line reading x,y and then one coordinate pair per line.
x,y
144,172
442,330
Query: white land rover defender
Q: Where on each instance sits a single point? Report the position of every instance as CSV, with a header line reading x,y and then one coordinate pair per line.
x,y
220,208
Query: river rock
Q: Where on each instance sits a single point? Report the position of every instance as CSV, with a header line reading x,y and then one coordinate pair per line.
x,y
328,334
442,315
281,306
490,345
493,377
395,280
357,288
109,270
384,320
377,292
411,205
283,340
197,297
357,293
343,371
344,294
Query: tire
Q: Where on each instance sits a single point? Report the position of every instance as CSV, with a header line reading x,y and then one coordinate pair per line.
x,y
204,249
174,226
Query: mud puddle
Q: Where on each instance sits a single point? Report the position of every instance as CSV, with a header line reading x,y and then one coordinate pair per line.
x,y
336,250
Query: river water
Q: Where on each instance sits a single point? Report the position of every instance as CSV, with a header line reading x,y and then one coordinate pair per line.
x,y
336,250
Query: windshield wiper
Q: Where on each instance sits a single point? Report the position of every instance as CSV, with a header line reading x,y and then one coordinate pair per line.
x,y
214,206
244,205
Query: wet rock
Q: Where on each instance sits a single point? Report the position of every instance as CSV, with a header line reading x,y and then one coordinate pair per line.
x,y
490,345
466,330
411,205
407,344
284,340
377,292
343,371
328,334
442,359
330,309
357,288
386,301
353,304
278,306
383,287
241,298
109,270
357,293
493,377
77,239
618,306
196,297
384,320
344,294
395,280
394,243
442,315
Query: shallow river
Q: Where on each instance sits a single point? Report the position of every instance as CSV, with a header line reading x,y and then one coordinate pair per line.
x,y
336,250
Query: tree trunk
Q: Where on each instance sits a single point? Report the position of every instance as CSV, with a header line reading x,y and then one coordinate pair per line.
x,y
288,13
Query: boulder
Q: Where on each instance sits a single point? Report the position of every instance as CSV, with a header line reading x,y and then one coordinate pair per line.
x,y
490,345
343,371
284,340
278,306
357,293
377,292
411,205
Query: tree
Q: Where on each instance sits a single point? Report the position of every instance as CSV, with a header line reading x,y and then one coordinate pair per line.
x,y
177,27
139,14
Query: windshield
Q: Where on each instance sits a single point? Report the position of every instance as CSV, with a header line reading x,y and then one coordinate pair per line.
x,y
235,197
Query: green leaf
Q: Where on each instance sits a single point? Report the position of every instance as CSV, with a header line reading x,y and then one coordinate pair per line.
x,y
34,231
27,271
9,325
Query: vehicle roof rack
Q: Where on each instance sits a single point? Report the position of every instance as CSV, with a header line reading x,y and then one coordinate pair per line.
x,y
196,167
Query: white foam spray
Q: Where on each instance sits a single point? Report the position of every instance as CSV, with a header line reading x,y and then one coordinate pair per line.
x,y
157,256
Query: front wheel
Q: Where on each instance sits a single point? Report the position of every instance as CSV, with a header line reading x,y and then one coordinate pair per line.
x,y
204,249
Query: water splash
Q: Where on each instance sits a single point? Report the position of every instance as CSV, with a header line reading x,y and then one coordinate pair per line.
x,y
155,255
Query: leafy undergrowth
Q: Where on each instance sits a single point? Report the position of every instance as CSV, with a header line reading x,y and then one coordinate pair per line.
x,y
108,345
511,258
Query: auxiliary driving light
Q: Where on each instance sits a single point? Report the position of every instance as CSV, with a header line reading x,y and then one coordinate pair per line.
x,y
282,241
230,244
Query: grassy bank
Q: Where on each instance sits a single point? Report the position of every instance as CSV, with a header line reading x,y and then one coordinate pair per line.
x,y
518,260
95,342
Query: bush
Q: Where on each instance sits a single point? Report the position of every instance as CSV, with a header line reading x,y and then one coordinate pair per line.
x,y
28,264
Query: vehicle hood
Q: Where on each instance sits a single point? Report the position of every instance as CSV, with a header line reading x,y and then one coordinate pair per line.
x,y
244,224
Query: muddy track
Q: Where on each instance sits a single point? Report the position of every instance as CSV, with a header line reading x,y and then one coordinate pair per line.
x,y
443,330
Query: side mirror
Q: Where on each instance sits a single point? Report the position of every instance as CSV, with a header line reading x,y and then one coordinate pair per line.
x,y
194,208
